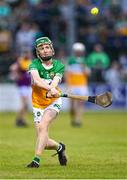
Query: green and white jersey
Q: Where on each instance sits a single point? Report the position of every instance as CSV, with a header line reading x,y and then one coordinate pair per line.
x,y
76,64
48,72
76,60
77,71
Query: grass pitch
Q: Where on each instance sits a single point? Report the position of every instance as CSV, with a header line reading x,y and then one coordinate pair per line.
x,y
96,150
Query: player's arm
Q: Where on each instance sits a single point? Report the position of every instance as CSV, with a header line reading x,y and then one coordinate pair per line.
x,y
54,84
37,81
56,80
14,74
14,67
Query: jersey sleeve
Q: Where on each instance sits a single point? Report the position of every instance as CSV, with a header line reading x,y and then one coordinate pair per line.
x,y
33,66
60,71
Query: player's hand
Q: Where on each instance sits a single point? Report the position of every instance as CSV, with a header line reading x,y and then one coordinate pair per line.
x,y
53,93
48,94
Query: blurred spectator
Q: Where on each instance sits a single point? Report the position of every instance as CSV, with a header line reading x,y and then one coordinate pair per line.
x,y
124,6
20,75
61,54
34,2
5,40
41,14
123,60
113,75
76,76
90,36
5,13
5,9
121,26
64,14
98,61
123,63
22,12
25,36
51,17
63,8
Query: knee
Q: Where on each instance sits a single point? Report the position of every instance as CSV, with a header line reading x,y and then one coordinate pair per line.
x,y
43,128
49,116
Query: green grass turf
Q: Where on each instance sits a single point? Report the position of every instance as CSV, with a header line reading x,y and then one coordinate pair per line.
x,y
96,150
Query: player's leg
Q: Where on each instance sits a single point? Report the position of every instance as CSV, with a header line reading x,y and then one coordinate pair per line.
x,y
51,144
42,120
60,148
20,120
73,111
42,135
78,106
42,129
75,108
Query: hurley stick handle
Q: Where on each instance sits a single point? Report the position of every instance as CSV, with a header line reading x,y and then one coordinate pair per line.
x,y
77,97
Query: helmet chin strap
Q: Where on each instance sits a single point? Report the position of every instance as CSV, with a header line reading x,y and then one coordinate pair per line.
x,y
46,58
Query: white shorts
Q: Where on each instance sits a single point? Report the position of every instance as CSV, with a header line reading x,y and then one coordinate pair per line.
x,y
25,91
38,113
81,90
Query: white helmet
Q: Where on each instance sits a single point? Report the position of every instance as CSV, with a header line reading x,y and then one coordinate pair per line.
x,y
78,47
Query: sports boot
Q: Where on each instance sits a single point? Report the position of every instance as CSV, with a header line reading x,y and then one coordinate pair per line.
x,y
33,164
61,155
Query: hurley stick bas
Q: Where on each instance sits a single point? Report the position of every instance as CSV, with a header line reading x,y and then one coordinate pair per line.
x,y
104,100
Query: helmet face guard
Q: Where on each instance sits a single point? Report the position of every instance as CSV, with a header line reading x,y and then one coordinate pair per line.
x,y
41,41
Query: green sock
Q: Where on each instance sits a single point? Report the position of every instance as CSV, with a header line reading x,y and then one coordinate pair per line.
x,y
36,159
